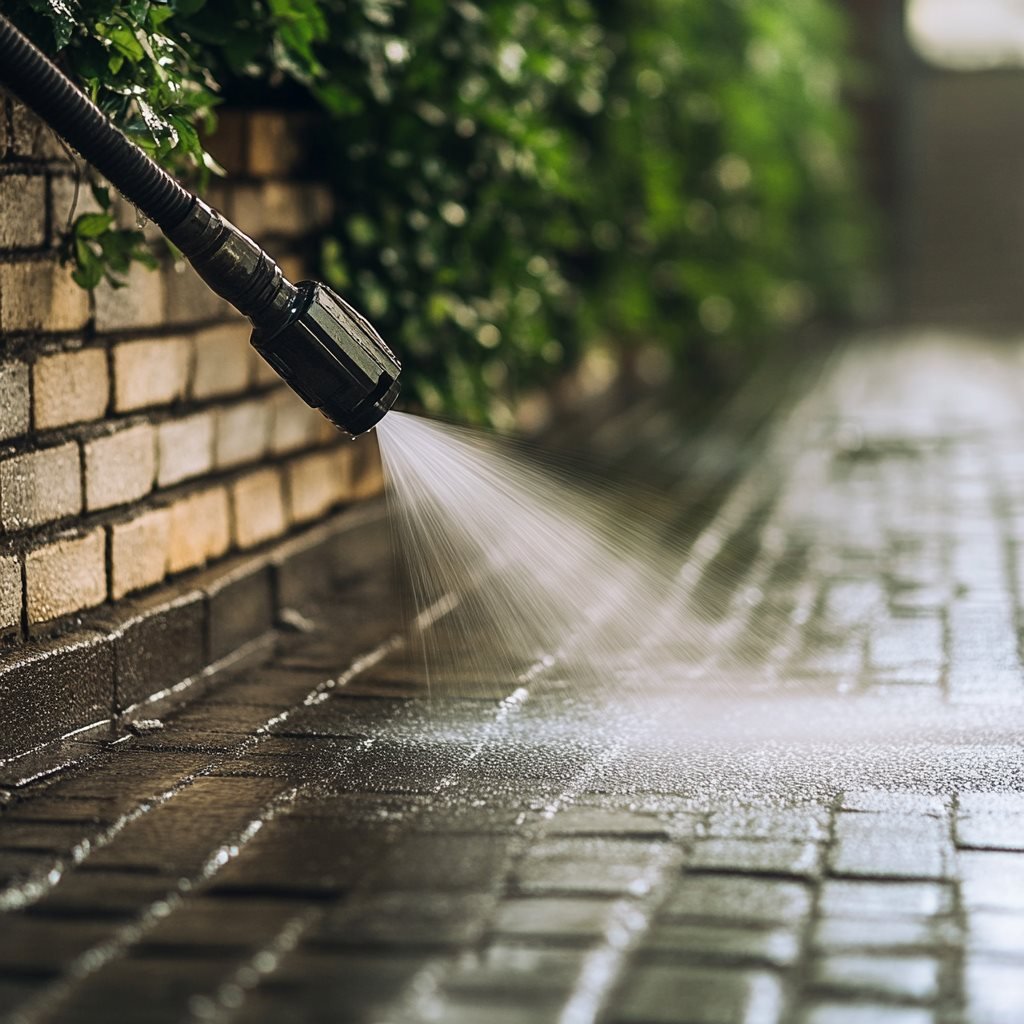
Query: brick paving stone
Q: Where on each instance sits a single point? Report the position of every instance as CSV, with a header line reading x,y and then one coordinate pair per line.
x,y
994,992
756,856
880,933
789,823
440,862
406,919
996,934
893,976
992,880
739,899
866,1013
991,832
893,900
303,858
588,865
890,845
896,802
554,917
507,968
706,941
657,994
98,893
30,944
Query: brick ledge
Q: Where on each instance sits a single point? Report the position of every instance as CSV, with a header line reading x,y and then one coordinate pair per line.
x,y
59,696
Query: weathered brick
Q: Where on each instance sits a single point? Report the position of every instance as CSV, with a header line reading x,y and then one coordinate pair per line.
x,y
188,299
891,845
240,605
40,487
883,900
258,504
66,576
70,387
664,994
282,208
892,977
242,432
735,898
314,485
263,374
150,373
120,467
756,856
200,529
139,304
227,145
276,143
138,552
49,688
185,448
10,593
368,470
32,137
992,880
68,202
23,200
294,424
222,365
159,640
14,403
39,295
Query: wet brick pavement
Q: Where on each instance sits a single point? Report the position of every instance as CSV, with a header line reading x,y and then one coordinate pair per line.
x,y
822,822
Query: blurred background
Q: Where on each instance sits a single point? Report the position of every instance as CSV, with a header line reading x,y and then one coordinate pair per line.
x,y
669,190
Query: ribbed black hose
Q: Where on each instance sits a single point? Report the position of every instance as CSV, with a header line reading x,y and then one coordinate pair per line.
x,y
31,76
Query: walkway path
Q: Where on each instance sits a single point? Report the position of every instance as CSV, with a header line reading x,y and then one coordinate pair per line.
x,y
822,821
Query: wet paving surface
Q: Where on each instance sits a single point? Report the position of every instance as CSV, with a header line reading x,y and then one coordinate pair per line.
x,y
814,815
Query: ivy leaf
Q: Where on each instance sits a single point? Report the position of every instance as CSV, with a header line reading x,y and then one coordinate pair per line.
x,y
92,225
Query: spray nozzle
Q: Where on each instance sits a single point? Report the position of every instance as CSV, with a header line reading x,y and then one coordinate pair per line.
x,y
328,353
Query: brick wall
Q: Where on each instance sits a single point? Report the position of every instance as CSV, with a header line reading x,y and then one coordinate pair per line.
x,y
140,435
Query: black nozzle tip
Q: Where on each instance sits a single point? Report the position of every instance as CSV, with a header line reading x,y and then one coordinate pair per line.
x,y
334,359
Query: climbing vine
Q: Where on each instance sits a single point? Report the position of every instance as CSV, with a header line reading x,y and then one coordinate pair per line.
x,y
519,179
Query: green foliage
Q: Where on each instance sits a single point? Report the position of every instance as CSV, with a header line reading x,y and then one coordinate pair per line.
x,y
517,179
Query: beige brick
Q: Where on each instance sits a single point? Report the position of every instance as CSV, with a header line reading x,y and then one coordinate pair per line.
x,y
39,295
293,424
148,373
227,145
314,485
31,137
140,303
279,208
184,448
200,529
258,504
120,467
70,387
64,205
276,143
188,299
368,472
222,364
40,487
263,374
66,576
10,592
139,551
23,201
13,400
242,432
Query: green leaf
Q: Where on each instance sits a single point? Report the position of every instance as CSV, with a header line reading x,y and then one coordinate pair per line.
x,y
91,225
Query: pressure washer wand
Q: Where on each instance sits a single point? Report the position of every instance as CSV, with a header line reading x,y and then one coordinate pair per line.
x,y
328,353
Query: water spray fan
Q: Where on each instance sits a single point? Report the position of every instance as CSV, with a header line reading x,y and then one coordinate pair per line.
x,y
326,351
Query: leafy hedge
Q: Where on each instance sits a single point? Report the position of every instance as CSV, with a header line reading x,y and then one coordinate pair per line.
x,y
520,179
